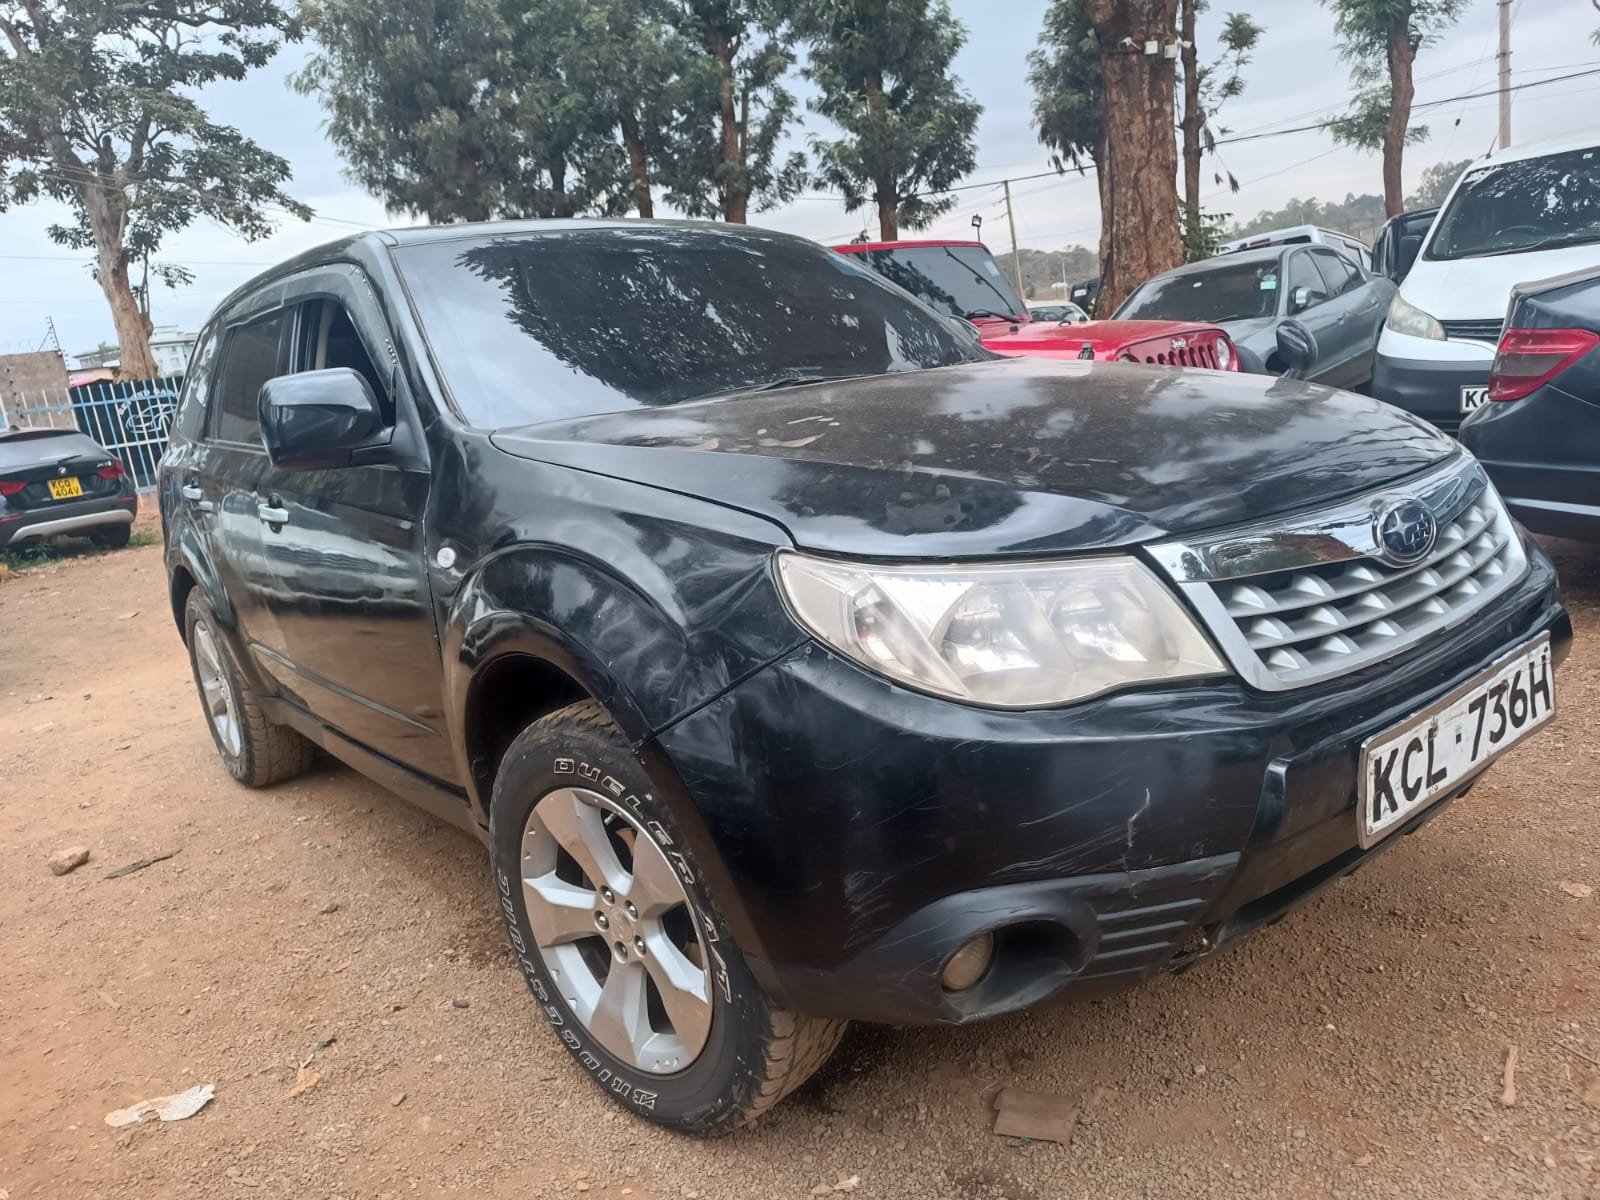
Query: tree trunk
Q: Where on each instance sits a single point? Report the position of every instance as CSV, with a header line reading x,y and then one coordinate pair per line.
x,y
886,192
731,179
111,261
1140,234
1401,92
1193,121
638,165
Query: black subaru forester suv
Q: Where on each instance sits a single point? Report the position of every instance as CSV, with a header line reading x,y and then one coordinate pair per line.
x,y
799,662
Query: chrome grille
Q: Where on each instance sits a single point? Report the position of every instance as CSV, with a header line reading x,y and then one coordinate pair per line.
x,y
1477,331
1327,602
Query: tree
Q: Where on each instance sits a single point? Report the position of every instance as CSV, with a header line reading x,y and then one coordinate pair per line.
x,y
467,110
882,70
1138,203
1205,90
1380,39
743,58
1437,181
1069,95
96,111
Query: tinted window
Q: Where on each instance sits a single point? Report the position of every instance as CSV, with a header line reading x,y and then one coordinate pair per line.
x,y
540,326
192,401
1226,291
1338,272
1532,204
328,338
963,281
1303,274
249,359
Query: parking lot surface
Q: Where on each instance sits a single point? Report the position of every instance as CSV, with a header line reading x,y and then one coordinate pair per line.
x,y
332,961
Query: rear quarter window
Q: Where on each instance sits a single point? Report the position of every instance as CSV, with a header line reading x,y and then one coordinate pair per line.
x,y
196,385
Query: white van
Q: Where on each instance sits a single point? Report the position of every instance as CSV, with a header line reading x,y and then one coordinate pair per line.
x,y
1522,214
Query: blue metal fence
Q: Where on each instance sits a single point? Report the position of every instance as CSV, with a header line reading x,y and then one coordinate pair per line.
x,y
132,420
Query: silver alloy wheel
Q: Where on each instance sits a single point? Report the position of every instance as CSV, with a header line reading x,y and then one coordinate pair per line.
x,y
621,940
215,689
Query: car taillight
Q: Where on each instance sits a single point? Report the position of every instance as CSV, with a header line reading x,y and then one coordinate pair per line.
x,y
10,487
1530,358
114,470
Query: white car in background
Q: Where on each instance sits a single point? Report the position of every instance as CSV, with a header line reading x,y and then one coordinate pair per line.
x,y
1528,213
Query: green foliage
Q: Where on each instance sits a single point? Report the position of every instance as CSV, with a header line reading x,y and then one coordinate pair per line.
x,y
882,70
466,109
1361,216
1203,238
1369,32
727,154
97,110
1068,88
1436,183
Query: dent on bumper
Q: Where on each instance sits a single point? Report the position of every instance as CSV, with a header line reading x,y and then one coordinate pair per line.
x,y
868,832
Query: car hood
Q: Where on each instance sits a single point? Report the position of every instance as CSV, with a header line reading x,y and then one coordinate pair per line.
x,y
1019,456
1479,289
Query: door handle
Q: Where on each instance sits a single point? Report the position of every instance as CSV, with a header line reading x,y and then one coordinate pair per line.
x,y
270,514
195,496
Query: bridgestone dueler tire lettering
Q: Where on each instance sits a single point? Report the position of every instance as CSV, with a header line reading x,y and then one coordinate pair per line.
x,y
757,1052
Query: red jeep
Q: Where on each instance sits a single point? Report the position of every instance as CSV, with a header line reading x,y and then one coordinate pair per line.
x,y
963,279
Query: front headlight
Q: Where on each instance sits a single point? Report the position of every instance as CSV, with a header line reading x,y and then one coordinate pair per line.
x,y
1224,354
1407,318
1003,635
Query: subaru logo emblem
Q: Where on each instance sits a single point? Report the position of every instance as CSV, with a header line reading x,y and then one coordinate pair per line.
x,y
1405,530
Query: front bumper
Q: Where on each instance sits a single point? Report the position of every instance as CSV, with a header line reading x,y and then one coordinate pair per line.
x,y
69,517
868,832
1429,388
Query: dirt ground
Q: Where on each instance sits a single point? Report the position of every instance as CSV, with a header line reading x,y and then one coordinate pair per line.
x,y
1354,1050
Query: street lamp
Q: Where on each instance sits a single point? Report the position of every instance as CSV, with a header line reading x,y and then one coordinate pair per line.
x,y
977,226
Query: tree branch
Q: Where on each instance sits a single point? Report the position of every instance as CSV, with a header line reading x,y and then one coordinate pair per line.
x,y
14,36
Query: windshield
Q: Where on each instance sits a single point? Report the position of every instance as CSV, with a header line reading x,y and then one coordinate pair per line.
x,y
1223,292
541,326
1530,204
963,281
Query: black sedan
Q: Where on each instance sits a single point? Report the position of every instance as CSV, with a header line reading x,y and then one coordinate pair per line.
x,y
55,481
1251,292
1539,435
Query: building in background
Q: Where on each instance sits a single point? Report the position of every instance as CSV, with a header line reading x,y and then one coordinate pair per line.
x,y
169,346
29,382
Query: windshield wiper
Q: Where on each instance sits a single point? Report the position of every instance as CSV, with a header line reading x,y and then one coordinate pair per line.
x,y
1549,243
988,312
970,270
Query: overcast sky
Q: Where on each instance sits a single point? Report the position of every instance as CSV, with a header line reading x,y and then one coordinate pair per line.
x,y
1296,78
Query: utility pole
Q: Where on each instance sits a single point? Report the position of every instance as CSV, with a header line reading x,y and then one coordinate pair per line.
x,y
1016,255
1505,73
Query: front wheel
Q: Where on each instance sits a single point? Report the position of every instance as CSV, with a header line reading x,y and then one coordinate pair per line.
x,y
621,943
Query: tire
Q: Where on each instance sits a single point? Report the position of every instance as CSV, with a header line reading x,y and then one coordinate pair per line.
x,y
752,1054
112,537
256,752
1249,361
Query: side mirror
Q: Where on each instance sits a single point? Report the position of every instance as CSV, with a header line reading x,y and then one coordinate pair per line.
x,y
1299,299
1297,349
317,419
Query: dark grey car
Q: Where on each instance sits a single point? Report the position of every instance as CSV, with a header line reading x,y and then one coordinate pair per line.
x,y
55,481
1250,293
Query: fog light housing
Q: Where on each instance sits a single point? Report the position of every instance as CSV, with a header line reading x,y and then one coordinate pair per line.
x,y
968,965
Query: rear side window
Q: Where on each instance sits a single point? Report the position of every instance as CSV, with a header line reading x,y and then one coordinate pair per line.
x,y
1340,274
192,403
249,359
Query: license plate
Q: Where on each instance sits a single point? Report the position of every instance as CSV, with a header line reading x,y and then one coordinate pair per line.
x,y
65,489
1405,769
1473,397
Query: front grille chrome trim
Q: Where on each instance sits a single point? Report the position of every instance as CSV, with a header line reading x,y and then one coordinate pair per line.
x,y
1314,598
